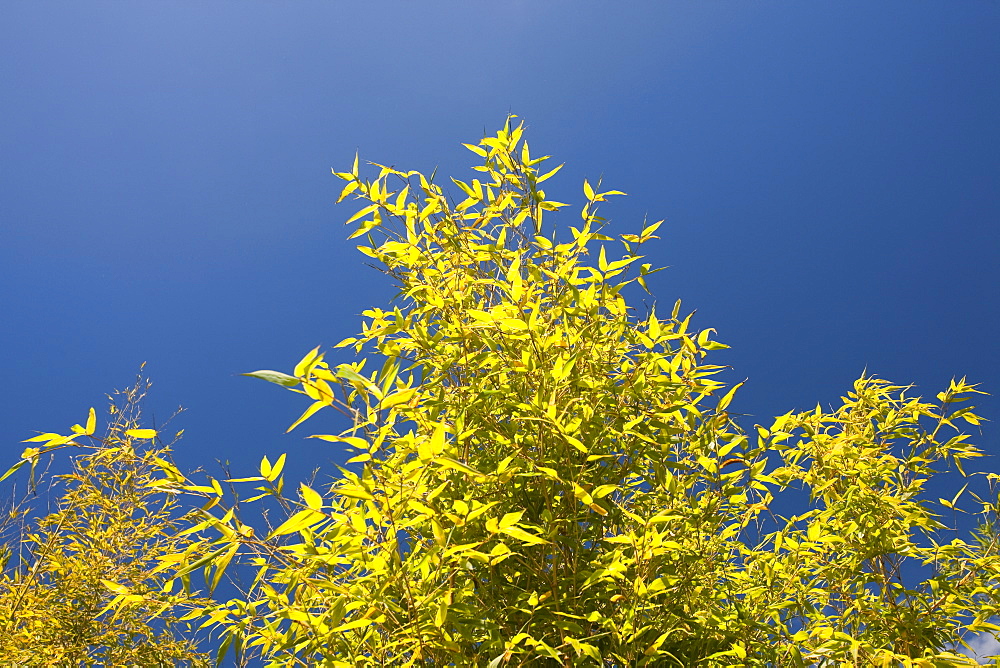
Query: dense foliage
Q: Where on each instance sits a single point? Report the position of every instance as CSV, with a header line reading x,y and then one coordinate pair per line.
x,y
110,525
541,475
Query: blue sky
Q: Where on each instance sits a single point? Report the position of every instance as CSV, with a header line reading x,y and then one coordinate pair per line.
x,y
828,172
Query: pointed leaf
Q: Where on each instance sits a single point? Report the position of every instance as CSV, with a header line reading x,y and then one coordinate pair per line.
x,y
305,362
91,423
277,468
449,463
524,536
13,469
300,520
353,441
116,588
276,377
311,497
309,412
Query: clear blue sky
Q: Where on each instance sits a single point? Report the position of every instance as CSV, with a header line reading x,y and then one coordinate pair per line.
x,y
829,173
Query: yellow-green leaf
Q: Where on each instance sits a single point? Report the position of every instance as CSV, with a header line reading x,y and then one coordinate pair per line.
x,y
221,564
449,463
441,614
13,469
348,189
354,492
119,589
524,536
427,449
725,401
353,441
311,497
275,377
300,520
363,212
91,423
305,362
356,624
510,519
549,175
582,495
397,398
48,436
476,149
309,412
277,468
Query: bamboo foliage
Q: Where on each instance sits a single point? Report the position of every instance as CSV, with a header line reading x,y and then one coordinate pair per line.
x,y
539,474
100,545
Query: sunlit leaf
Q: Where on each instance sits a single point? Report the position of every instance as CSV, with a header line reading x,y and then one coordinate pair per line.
x,y
297,522
353,441
305,363
311,497
308,413
276,377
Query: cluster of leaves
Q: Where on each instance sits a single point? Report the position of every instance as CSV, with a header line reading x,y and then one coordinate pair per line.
x,y
64,572
541,476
